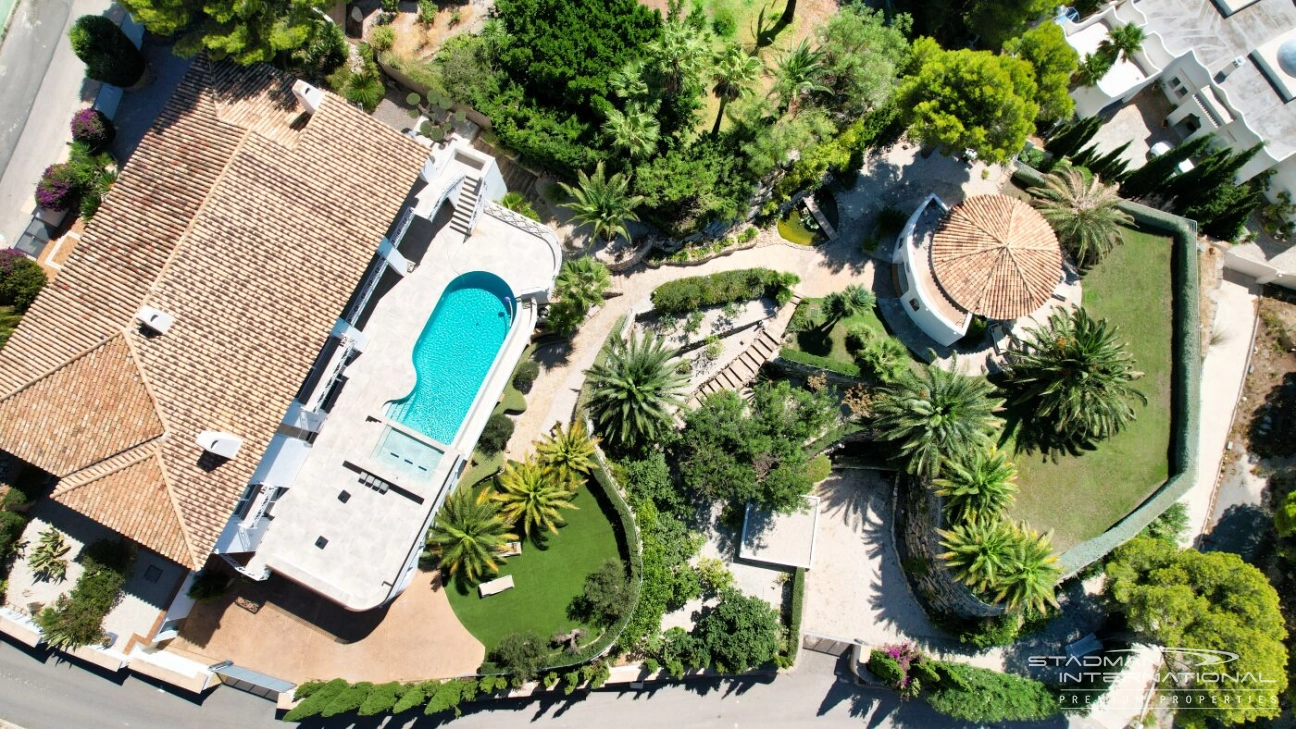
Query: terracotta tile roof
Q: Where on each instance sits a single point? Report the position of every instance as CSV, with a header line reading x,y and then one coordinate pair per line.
x,y
996,256
251,225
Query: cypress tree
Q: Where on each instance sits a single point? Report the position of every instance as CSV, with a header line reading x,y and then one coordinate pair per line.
x,y
108,54
1218,172
1110,167
1072,136
1228,224
1085,158
1154,176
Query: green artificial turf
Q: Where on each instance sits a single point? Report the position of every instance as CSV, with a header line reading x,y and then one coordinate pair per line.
x,y
1081,497
545,580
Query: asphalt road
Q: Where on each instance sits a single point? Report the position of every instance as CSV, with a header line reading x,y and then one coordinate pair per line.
x,y
39,692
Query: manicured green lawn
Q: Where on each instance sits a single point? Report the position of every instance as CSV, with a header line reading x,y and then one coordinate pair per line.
x,y
1081,497
8,323
545,580
831,343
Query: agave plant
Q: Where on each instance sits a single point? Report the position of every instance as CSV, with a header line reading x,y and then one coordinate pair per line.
x,y
1032,572
468,536
46,560
532,494
570,450
977,486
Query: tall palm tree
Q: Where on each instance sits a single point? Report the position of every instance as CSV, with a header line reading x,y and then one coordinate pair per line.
x,y
583,281
532,494
934,415
1122,42
733,72
980,552
679,57
979,485
850,301
1083,213
634,130
603,202
634,389
570,450
468,535
799,74
1073,374
1032,572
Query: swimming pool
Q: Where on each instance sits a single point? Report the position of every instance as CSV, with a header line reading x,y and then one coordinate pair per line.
x,y
454,354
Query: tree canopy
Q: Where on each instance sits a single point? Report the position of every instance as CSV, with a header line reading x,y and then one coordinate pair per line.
x,y
964,99
1045,48
740,632
862,55
247,31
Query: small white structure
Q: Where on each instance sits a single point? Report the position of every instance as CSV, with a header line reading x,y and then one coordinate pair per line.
x,y
782,539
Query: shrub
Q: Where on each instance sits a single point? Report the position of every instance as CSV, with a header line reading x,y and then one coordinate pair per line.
x,y
981,695
304,690
685,295
390,6
413,99
608,595
886,668
521,655
46,560
748,234
1172,523
92,128
526,375
382,38
108,54
57,188
714,576
739,633
447,697
317,700
550,680
427,10
820,468
21,279
496,434
723,21
414,695
11,529
76,619
209,585
347,700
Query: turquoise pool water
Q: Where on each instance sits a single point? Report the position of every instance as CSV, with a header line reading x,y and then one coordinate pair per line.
x,y
454,353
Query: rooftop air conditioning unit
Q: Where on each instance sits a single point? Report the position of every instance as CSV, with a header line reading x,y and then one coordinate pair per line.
x,y
219,443
155,320
309,96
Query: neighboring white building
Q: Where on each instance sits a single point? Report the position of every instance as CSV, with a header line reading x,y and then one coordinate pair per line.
x,y
1228,69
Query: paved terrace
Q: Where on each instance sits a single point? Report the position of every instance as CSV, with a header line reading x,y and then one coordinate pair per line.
x,y
371,534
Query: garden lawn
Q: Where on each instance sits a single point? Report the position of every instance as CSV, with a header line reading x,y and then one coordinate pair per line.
x,y
545,580
832,343
1081,497
8,323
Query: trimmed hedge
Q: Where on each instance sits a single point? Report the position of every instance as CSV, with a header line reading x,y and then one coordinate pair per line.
x,y
981,695
1185,382
348,699
686,295
381,699
318,698
795,611
847,369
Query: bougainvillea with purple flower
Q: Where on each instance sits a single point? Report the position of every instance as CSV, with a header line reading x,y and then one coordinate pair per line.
x,y
93,128
57,188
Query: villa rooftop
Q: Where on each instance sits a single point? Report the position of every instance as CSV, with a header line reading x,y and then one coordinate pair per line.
x,y
247,222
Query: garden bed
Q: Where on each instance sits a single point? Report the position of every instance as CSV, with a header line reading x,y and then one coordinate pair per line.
x,y
1080,497
696,255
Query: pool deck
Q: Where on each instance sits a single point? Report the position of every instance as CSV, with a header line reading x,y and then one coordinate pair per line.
x,y
374,535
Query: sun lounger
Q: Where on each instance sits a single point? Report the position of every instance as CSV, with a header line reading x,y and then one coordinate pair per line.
x,y
511,549
494,587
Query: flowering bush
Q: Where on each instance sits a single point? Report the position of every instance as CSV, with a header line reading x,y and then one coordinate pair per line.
x,y
57,187
93,128
903,668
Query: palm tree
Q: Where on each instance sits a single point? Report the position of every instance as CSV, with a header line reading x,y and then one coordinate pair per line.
x,y
977,486
1032,572
980,552
850,301
583,281
633,130
678,57
799,74
517,202
634,389
1083,213
1122,42
733,73
934,415
603,202
1074,374
570,451
468,536
531,494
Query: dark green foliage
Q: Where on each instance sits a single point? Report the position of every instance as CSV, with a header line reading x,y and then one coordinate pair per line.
x,y
414,696
608,595
1196,187
304,690
209,584
21,279
795,611
690,185
526,374
381,699
347,700
496,434
1154,177
1171,525
11,529
1110,167
738,456
76,619
739,633
886,668
317,699
447,697
1072,136
521,654
686,295
981,695
723,22
321,55
108,54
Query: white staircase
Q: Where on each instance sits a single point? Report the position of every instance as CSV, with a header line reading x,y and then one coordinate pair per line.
x,y
466,206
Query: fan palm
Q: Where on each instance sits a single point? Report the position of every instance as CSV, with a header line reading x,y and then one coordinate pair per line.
x,y
1032,572
583,281
1083,213
634,130
935,414
1074,374
532,494
569,450
980,552
1122,42
851,301
678,57
799,74
517,202
605,203
977,486
468,536
634,389
733,72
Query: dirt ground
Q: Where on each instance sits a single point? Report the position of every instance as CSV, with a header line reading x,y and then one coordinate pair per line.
x,y
1266,418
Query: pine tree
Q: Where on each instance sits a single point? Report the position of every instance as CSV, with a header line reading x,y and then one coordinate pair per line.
x,y
1156,175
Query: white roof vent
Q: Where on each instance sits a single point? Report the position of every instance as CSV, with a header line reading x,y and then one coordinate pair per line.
x,y
219,443
309,96
154,319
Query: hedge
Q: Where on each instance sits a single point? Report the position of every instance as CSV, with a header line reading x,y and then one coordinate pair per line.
x,y
846,369
318,698
685,295
1185,383
794,614
381,699
981,695
348,699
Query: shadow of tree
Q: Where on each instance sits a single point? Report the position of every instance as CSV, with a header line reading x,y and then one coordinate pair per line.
x,y
1243,529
